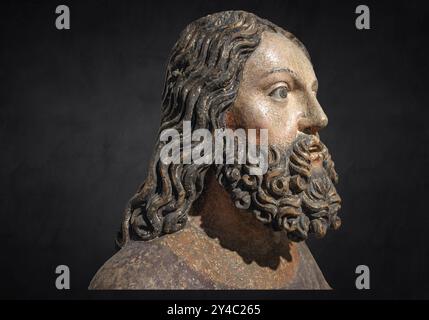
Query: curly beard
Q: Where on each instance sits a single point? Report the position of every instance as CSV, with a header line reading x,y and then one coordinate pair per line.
x,y
296,194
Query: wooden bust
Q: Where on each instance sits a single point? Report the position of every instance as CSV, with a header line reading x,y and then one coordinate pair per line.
x,y
194,225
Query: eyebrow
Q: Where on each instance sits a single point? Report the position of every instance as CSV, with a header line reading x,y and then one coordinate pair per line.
x,y
293,74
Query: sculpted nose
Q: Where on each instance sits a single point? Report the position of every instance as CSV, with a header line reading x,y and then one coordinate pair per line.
x,y
314,118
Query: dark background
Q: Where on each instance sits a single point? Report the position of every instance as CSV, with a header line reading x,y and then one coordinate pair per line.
x,y
80,109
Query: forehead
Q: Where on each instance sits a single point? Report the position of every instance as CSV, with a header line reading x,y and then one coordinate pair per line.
x,y
275,51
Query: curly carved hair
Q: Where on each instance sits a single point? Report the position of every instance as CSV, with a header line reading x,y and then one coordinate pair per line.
x,y
202,80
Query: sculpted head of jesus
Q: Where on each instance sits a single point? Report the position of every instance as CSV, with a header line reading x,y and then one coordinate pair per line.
x,y
234,70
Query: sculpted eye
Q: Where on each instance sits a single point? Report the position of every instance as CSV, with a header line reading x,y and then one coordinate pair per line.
x,y
279,93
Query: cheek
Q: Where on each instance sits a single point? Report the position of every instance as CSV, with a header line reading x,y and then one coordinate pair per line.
x,y
282,134
262,113
284,127
251,113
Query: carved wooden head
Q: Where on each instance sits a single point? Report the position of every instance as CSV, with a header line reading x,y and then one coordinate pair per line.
x,y
235,70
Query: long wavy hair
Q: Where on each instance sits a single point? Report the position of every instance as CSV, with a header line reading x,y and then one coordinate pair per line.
x,y
202,80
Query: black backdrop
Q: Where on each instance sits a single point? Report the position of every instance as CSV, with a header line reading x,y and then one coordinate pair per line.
x,y
80,109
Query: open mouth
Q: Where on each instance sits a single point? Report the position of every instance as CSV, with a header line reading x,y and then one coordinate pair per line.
x,y
315,148
315,152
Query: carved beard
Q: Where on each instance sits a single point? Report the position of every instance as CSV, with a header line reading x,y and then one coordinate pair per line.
x,y
297,192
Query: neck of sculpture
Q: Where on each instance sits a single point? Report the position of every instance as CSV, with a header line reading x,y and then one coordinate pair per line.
x,y
232,249
237,229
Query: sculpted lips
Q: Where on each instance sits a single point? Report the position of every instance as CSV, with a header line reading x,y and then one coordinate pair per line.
x,y
315,153
315,150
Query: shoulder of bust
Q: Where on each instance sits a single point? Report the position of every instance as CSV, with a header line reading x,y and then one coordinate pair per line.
x,y
146,265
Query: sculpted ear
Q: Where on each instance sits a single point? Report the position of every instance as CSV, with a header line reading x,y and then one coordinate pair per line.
x,y
230,119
